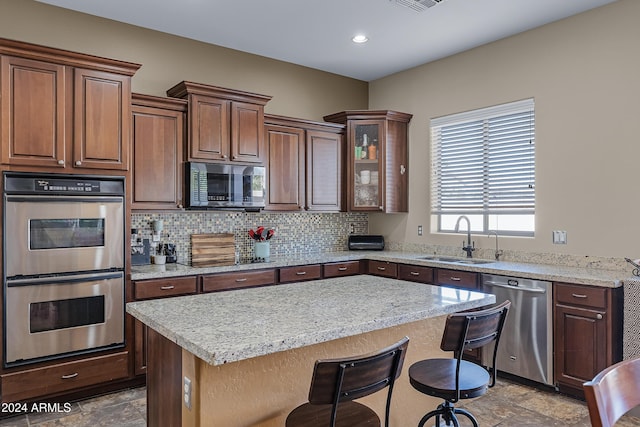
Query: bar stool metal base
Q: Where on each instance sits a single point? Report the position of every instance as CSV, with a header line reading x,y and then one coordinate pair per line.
x,y
448,412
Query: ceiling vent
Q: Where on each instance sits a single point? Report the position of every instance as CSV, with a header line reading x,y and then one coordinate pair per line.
x,y
418,5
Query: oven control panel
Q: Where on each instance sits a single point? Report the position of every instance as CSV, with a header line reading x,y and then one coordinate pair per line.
x,y
62,185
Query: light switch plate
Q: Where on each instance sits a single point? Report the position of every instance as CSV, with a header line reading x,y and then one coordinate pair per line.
x,y
187,392
559,237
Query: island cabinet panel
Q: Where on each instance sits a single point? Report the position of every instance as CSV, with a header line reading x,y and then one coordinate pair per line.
x,y
587,336
224,124
415,273
169,287
237,280
382,268
64,377
340,269
164,382
64,110
300,273
158,138
459,279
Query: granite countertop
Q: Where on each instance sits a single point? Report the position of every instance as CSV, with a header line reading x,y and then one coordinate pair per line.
x,y
557,273
224,327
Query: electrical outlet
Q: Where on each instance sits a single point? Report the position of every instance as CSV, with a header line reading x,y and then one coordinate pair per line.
x,y
187,392
559,237
419,230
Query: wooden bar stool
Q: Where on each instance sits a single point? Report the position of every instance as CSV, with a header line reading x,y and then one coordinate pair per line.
x,y
613,392
337,382
454,379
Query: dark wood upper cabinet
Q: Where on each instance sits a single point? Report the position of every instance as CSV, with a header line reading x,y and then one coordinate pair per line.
x,y
377,159
304,165
158,144
63,110
224,124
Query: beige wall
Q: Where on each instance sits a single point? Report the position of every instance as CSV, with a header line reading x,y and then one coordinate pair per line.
x,y
166,60
584,73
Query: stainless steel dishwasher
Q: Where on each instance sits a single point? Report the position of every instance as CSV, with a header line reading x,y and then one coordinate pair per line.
x,y
526,344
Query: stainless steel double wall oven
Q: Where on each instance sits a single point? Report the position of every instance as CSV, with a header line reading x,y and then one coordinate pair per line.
x,y
63,265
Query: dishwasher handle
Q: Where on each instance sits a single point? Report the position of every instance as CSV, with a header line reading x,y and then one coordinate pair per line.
x,y
518,288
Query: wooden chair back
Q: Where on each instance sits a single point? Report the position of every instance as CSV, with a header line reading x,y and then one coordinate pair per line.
x,y
613,392
344,379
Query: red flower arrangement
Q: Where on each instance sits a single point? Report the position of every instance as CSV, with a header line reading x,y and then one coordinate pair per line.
x,y
260,235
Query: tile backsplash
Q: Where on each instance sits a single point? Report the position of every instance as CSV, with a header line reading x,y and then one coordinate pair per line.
x,y
296,233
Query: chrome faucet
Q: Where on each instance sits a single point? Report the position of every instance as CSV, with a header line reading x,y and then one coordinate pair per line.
x,y
470,246
499,252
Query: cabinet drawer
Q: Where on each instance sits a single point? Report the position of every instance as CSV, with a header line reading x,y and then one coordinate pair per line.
x,y
339,269
461,279
382,268
587,296
63,377
299,273
415,273
158,288
240,279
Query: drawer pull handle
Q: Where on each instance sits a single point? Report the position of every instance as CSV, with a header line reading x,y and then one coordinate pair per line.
x,y
68,377
342,268
244,279
301,273
382,268
167,288
414,273
455,279
578,295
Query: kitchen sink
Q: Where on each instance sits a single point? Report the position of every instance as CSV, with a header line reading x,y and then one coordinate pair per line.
x,y
455,260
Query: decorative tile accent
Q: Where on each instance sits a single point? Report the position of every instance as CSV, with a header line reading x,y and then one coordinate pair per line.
x,y
631,329
296,233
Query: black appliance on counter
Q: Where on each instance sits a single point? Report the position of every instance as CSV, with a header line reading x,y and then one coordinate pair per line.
x,y
225,186
366,242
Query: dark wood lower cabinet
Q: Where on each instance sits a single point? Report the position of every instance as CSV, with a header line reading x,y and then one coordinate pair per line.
x,y
164,381
587,335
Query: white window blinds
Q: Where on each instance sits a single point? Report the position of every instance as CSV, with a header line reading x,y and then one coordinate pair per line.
x,y
483,161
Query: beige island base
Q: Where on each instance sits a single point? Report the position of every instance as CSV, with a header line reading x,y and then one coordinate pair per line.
x,y
249,354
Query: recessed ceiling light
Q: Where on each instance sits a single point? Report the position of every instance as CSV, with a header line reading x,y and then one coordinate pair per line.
x,y
360,38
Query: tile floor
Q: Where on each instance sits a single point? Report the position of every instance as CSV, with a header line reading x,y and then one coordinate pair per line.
x,y
507,405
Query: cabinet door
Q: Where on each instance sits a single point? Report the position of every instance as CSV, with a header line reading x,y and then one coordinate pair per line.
x,y
102,117
247,132
580,343
366,180
209,131
324,183
33,102
383,268
140,345
285,168
157,158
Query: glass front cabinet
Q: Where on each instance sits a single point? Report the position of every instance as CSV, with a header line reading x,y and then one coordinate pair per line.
x,y
377,159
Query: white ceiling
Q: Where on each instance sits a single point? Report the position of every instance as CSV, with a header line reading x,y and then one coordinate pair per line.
x,y
318,33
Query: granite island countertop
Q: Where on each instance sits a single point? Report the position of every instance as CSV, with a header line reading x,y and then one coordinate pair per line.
x,y
557,273
224,327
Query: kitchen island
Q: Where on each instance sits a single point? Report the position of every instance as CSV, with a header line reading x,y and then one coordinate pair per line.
x,y
249,354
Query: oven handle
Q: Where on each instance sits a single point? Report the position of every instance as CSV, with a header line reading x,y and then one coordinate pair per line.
x,y
58,199
64,278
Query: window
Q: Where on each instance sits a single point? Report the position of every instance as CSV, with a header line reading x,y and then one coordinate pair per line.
x,y
483,167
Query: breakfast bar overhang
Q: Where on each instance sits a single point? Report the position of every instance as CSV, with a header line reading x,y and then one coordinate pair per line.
x,y
247,356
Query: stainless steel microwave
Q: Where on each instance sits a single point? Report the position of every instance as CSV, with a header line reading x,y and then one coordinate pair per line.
x,y
225,186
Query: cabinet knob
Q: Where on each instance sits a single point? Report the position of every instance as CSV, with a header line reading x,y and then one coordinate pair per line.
x,y
61,162
78,163
224,156
599,316
402,169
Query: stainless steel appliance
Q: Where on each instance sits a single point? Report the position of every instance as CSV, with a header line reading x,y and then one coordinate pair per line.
x,y
526,344
212,185
63,276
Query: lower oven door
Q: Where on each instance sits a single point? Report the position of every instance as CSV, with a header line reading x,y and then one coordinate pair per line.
x,y
59,316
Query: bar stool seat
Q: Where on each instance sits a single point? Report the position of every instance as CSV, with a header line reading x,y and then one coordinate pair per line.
x,y
337,382
437,377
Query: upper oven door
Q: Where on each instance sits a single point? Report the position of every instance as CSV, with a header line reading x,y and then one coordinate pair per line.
x,y
45,234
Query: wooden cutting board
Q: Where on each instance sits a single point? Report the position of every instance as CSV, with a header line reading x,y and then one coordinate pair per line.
x,y
212,250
